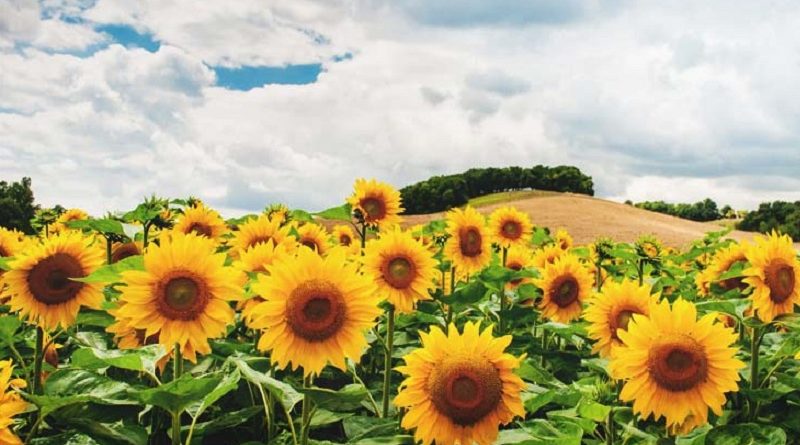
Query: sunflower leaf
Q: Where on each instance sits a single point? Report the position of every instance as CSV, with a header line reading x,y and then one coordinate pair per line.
x,y
746,434
341,213
178,394
112,273
142,359
104,226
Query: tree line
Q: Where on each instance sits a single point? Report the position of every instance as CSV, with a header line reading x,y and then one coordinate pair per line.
x,y
705,210
778,215
440,193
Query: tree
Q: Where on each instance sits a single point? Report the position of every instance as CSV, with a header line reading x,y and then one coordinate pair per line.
x,y
16,205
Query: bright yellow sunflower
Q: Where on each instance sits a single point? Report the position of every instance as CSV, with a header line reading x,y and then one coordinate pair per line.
x,y
11,404
378,202
257,259
547,255
202,221
10,243
468,245
40,285
565,285
258,230
612,310
518,258
460,387
401,267
774,274
70,215
313,236
675,365
316,311
120,251
510,227
182,294
345,237
563,239
723,260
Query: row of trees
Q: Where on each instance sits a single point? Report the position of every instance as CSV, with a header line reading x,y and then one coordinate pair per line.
x,y
779,215
17,208
705,210
444,192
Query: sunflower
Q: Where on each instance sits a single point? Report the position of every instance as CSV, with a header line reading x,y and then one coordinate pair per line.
x,y
722,261
774,274
378,202
10,243
510,227
563,239
182,294
120,251
11,404
468,245
344,236
460,387
258,230
675,365
316,311
313,236
518,258
401,267
547,255
70,215
612,310
257,259
202,221
565,285
648,246
40,280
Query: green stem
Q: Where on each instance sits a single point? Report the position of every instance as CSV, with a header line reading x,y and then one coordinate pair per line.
x,y
18,358
610,433
598,276
108,250
37,361
640,270
755,344
176,374
358,380
387,374
306,413
544,344
363,234
34,429
144,234
503,299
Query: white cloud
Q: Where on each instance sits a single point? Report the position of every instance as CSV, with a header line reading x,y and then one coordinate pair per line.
x,y
22,21
673,101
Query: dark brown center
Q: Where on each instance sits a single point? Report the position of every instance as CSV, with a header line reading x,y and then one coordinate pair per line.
x,y
512,229
49,280
621,321
374,208
780,279
200,229
316,310
310,243
262,239
124,251
470,242
399,272
182,296
466,391
678,365
3,251
565,291
345,239
515,267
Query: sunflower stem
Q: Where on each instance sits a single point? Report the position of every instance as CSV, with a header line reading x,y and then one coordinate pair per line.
x,y
610,433
755,344
37,361
177,360
108,250
387,374
503,298
640,270
306,425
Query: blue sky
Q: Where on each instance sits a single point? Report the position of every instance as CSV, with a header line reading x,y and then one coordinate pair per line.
x,y
250,102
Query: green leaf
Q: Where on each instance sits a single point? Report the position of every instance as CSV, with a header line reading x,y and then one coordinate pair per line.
x,y
110,433
589,409
348,398
284,392
470,293
222,422
67,387
543,432
71,438
4,262
324,417
342,213
226,385
400,439
9,324
104,226
746,434
176,395
91,317
360,427
141,359
300,215
111,273
623,253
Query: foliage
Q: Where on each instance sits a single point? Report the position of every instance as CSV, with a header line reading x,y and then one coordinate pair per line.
x,y
779,215
17,208
705,210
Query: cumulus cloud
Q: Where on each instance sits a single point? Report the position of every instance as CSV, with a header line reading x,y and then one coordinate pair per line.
x,y
673,101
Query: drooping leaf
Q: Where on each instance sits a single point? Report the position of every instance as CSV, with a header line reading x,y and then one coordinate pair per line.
x,y
176,395
104,226
228,383
141,359
284,392
348,398
746,434
341,213
111,273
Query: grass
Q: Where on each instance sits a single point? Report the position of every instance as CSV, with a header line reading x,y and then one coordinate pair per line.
x,y
501,197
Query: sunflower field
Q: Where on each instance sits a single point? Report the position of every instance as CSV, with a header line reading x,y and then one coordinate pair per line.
x,y
170,325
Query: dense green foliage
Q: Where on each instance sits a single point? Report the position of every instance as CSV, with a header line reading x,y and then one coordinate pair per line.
x,y
444,192
16,205
705,210
779,215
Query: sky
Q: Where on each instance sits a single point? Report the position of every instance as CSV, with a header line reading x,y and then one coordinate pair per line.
x,y
249,102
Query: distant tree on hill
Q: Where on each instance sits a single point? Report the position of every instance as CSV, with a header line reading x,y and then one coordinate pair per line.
x,y
705,210
778,215
16,205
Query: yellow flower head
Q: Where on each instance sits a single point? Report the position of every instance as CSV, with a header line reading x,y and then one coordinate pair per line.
x,y
460,388
774,274
344,236
120,251
313,236
676,366
547,255
563,239
723,260
565,285
518,258
70,215
378,202
202,221
510,227
11,404
258,230
468,246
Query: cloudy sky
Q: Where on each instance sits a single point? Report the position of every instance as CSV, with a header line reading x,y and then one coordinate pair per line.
x,y
248,102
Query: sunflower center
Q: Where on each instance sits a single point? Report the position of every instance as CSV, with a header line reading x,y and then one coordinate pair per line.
x,y
374,208
470,242
316,310
3,251
311,244
182,296
345,240
780,279
678,365
516,267
259,240
49,280
200,229
124,251
565,291
399,272
621,321
466,390
512,229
